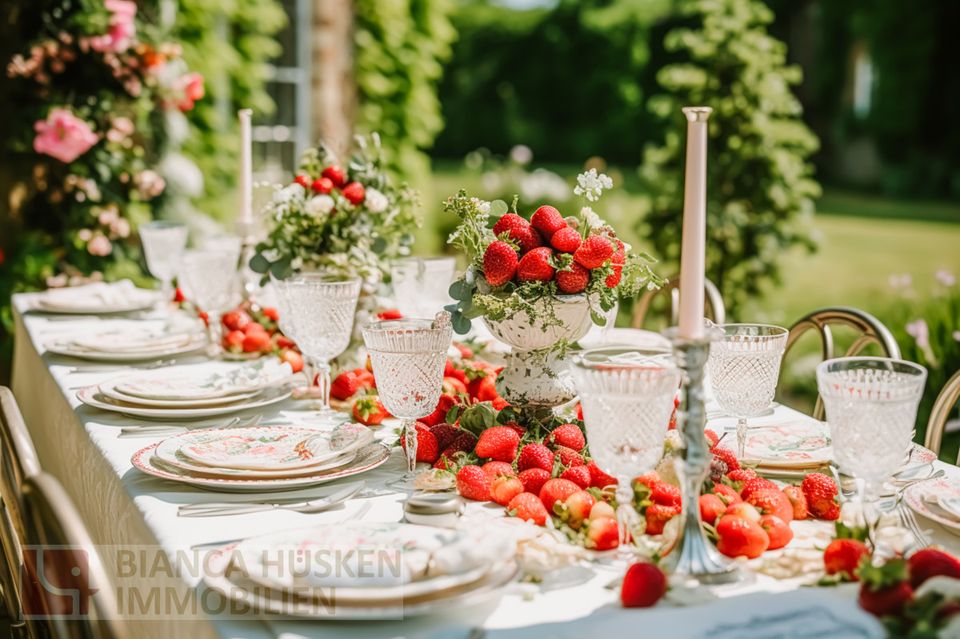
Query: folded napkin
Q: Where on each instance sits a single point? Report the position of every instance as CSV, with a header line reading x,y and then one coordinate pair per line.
x,y
178,384
93,295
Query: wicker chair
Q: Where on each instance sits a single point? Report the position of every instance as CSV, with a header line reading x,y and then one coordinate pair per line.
x,y
937,424
713,303
870,331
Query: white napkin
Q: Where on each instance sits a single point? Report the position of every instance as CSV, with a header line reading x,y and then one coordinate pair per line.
x,y
112,294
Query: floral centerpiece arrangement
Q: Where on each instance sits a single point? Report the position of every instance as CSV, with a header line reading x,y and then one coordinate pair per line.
x,y
538,283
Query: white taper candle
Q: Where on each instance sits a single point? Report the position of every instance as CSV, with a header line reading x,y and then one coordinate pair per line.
x,y
245,218
694,244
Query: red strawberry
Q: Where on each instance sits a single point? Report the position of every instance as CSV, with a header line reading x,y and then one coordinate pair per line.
x,y
842,557
617,261
602,509
498,468
427,448
519,231
566,240
649,480
535,456
744,510
535,266
484,389
293,358
603,533
354,193
568,456
727,455
643,586
778,531
445,434
578,507
711,507
930,562
236,320
453,386
821,494
302,180
439,414
369,411
233,341
712,437
798,501
464,443
598,478
527,506
178,295
614,278
473,483
555,490
336,175
322,185
517,428
499,443
753,485
739,537
573,279
772,502
504,488
365,378
594,251
665,494
499,263
657,517
741,475
580,475
547,220
533,479
568,435
885,589
726,494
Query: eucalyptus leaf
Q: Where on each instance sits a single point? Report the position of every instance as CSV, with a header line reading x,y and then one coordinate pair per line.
x,y
461,325
259,264
281,268
460,290
379,245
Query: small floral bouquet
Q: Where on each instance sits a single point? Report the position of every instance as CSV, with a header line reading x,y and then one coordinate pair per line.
x,y
518,265
350,221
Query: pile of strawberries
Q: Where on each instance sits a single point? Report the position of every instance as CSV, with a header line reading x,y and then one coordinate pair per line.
x,y
548,249
333,177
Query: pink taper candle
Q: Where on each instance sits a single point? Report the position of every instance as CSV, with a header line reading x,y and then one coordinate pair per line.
x,y
694,245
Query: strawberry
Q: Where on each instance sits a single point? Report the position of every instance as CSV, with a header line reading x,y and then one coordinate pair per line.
x,y
464,443
254,328
728,457
778,531
798,501
665,494
602,509
580,475
726,494
739,537
885,589
369,411
741,475
293,358
533,479
354,193
439,414
321,185
519,230
578,507
548,221
178,295
535,266
498,469
302,180
603,533
617,261
649,480
613,280
930,562
598,478
555,490
499,263
365,378
535,456
711,507
643,586
712,437
473,483
743,510
772,502
569,457
233,341
593,252
344,386
484,389
568,435
573,279
498,443
445,434
657,517
821,494
236,320
527,506
335,174
566,240
842,557
504,488
427,448
389,314
517,428
753,485
453,386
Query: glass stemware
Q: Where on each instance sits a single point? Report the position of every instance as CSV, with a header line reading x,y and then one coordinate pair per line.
x,y
744,368
210,277
163,244
408,356
420,284
871,405
317,312
627,398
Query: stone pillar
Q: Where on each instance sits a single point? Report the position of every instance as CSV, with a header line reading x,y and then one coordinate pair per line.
x,y
332,88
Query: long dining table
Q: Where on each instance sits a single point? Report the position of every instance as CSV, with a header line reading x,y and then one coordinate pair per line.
x,y
124,508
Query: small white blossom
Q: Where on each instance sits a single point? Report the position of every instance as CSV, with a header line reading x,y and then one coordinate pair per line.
x,y
902,280
289,193
482,205
376,201
319,205
591,218
591,184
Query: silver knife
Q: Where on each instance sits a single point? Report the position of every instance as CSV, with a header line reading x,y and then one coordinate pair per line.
x,y
207,510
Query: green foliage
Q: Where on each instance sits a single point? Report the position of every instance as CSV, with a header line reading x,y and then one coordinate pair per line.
x,y
760,188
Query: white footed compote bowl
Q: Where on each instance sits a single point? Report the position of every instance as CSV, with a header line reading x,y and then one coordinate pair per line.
x,y
536,374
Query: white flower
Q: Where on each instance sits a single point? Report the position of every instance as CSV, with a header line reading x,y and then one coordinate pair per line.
x,y
591,184
319,205
100,246
521,154
288,193
482,205
946,278
376,201
591,218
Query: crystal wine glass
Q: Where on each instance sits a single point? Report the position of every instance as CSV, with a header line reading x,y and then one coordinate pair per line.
x,y
408,356
319,309
744,368
627,397
163,244
871,405
420,284
210,276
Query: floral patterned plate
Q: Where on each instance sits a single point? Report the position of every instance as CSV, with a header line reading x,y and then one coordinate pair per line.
x,y
91,396
793,445
109,389
925,497
201,382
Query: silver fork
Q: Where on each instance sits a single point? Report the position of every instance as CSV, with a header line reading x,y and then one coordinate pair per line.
x,y
110,368
909,521
146,430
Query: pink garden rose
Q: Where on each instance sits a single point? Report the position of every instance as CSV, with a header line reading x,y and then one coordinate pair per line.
x,y
123,27
63,136
190,86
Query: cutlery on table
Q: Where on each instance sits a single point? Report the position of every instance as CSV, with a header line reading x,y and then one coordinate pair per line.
x,y
301,506
110,368
909,521
147,430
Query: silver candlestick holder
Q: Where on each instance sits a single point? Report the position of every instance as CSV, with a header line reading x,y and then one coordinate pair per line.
x,y
248,242
693,556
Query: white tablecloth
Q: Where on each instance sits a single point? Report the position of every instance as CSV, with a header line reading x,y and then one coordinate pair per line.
x,y
122,506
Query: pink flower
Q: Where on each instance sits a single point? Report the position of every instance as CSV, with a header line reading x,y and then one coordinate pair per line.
x,y
63,136
123,27
919,331
100,246
190,86
945,277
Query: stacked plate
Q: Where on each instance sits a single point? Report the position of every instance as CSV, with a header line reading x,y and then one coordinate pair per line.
x,y
98,298
800,445
364,570
937,500
262,458
129,345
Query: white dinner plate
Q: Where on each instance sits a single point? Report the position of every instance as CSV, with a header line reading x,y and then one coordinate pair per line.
x,y
924,499
99,298
71,350
109,390
181,463
367,458
91,396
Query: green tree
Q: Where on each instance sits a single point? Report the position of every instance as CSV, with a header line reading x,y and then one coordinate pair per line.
x,y
760,187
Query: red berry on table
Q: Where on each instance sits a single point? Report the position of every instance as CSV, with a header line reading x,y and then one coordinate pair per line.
x,y
498,443
772,502
753,485
569,457
499,263
568,435
885,589
257,342
293,358
598,478
464,443
740,537
336,175
253,327
578,507
548,221
344,386
504,488
519,230
603,533
594,252
453,386
322,185
484,389
271,313
643,586
741,475
821,494
390,314
439,414
727,494
178,296
233,341
798,501
658,515
744,510
728,457
602,509
528,507
566,240
580,475
302,180
930,562
778,531
236,320
535,266
354,193
445,433
555,490
498,468
427,448
473,483
712,437
365,378
617,261
533,479
842,557
535,456
665,494
573,279
711,507
369,411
